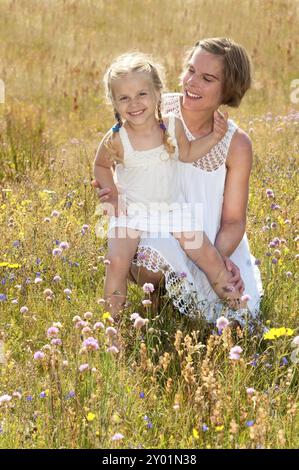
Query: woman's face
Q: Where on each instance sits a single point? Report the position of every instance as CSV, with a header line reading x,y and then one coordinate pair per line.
x,y
202,82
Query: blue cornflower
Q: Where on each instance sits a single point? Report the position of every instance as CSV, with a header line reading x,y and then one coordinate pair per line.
x,y
204,428
141,395
249,423
3,297
284,361
29,398
42,394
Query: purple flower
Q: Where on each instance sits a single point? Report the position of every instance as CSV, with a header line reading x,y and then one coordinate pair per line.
x,y
235,353
141,395
117,437
42,394
83,367
204,428
29,398
274,260
91,344
52,332
57,252
148,287
64,246
249,423
284,361
39,356
222,323
3,297
257,262
71,394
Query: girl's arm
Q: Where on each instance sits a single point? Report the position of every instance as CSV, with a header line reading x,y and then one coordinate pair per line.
x,y
103,170
190,152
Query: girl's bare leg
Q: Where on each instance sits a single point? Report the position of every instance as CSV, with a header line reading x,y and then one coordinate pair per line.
x,y
122,246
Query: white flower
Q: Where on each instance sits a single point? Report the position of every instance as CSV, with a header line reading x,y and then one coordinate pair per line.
x,y
5,398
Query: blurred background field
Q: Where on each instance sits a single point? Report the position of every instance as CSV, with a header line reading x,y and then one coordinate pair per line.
x,y
172,384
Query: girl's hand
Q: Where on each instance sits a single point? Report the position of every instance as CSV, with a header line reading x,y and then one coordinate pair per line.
x,y
112,206
220,125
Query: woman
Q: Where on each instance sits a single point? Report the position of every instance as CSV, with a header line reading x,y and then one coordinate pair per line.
x,y
216,72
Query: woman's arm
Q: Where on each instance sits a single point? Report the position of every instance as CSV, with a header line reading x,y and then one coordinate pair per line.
x,y
191,151
233,216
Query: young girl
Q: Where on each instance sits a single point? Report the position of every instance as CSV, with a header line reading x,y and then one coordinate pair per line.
x,y
145,148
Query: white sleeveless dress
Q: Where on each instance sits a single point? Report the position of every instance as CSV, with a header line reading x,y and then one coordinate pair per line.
x,y
200,182
148,182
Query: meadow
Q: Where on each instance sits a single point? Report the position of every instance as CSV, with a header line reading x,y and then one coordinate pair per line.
x,y
172,384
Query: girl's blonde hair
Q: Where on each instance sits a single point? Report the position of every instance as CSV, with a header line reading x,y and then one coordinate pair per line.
x,y
141,63
237,68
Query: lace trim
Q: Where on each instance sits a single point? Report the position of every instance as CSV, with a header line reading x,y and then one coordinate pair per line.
x,y
183,294
217,155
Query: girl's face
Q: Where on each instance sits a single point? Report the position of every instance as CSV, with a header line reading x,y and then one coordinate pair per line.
x,y
202,82
135,97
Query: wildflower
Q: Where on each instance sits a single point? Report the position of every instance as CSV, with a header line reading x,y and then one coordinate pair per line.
x,y
52,332
57,252
56,342
195,433
295,342
47,220
48,292
76,318
289,274
140,322
274,260
249,423
5,399
55,213
15,301
38,280
71,394
146,302
117,437
101,301
176,406
91,344
250,391
86,330
56,278
148,287
98,325
284,361
39,356
24,309
106,316
90,417
204,428
257,262
3,297
29,398
275,333
134,316
83,367
87,315
270,193
64,246
113,350
106,261
222,323
110,331
42,394
141,395
235,353
67,291
219,428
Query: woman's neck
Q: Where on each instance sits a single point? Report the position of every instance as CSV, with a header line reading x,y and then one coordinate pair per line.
x,y
199,123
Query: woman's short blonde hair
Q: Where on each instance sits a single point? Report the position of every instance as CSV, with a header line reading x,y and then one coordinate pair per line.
x,y
237,68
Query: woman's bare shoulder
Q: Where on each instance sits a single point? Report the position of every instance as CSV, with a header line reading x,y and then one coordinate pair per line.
x,y
240,149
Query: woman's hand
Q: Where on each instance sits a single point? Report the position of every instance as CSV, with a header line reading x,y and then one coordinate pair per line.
x,y
236,280
220,125
112,206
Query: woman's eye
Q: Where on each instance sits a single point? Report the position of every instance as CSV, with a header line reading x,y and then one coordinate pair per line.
x,y
207,79
191,70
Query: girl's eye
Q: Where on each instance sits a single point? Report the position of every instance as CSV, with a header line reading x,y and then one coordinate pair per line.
x,y
123,98
142,93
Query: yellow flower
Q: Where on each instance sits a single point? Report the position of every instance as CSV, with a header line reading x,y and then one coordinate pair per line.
x,y
106,315
91,416
219,428
195,433
4,264
275,333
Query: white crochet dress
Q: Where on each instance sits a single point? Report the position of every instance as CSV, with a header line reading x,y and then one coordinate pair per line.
x,y
201,182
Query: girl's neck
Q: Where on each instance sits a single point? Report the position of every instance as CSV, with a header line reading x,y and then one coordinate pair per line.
x,y
146,128
199,123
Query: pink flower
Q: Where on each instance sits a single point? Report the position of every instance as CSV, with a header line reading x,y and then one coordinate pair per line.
x,y
148,287
134,316
55,214
52,332
56,252
117,437
222,323
87,315
98,326
83,367
113,350
24,309
250,391
56,341
235,353
56,278
39,356
140,322
91,344
64,246
110,331
146,302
